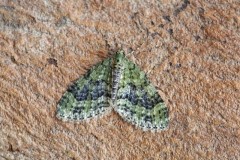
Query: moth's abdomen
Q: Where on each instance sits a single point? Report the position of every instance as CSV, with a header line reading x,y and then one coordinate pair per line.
x,y
116,76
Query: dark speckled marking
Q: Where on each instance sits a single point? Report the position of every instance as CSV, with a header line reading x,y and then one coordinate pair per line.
x,y
145,101
99,89
133,97
83,94
148,119
78,110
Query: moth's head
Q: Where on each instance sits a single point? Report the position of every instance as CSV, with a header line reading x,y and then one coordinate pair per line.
x,y
120,55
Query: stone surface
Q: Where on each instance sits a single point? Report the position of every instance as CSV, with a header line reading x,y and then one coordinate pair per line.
x,y
189,50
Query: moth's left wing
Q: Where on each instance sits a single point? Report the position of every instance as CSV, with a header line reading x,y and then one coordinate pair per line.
x,y
138,102
88,96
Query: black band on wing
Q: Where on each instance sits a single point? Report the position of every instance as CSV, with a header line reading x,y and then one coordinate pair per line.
x,y
144,101
93,89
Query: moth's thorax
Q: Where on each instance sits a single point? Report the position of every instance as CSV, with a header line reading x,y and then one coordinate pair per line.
x,y
117,73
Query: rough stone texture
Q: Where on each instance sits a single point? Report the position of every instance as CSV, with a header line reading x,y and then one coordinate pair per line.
x,y
189,49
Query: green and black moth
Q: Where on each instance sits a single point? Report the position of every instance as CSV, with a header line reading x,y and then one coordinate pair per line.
x,y
115,83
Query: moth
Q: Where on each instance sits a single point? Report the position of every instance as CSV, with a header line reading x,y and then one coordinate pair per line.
x,y
115,83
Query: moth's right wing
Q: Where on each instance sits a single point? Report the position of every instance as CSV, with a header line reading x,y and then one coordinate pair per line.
x,y
138,101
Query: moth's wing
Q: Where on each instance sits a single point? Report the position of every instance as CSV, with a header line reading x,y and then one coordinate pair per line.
x,y
88,96
138,101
